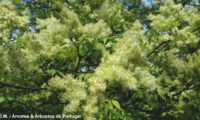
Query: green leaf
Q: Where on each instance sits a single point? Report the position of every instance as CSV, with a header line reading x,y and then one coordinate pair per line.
x,y
116,104
110,104
17,2
51,72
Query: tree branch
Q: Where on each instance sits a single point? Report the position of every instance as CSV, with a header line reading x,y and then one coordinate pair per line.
x,y
2,85
79,61
196,29
184,89
166,42
159,46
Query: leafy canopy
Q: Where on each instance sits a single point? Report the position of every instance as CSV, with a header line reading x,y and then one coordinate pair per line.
x,y
101,59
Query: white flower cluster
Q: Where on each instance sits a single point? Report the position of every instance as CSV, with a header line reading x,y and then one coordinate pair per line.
x,y
74,91
9,18
170,16
110,12
95,30
120,67
3,58
57,35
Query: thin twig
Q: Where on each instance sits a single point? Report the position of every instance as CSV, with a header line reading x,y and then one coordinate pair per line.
x,y
196,29
156,48
184,89
2,85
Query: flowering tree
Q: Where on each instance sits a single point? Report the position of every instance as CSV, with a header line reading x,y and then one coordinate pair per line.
x,y
101,59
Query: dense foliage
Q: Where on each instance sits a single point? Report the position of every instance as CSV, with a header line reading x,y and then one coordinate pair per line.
x,y
103,59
